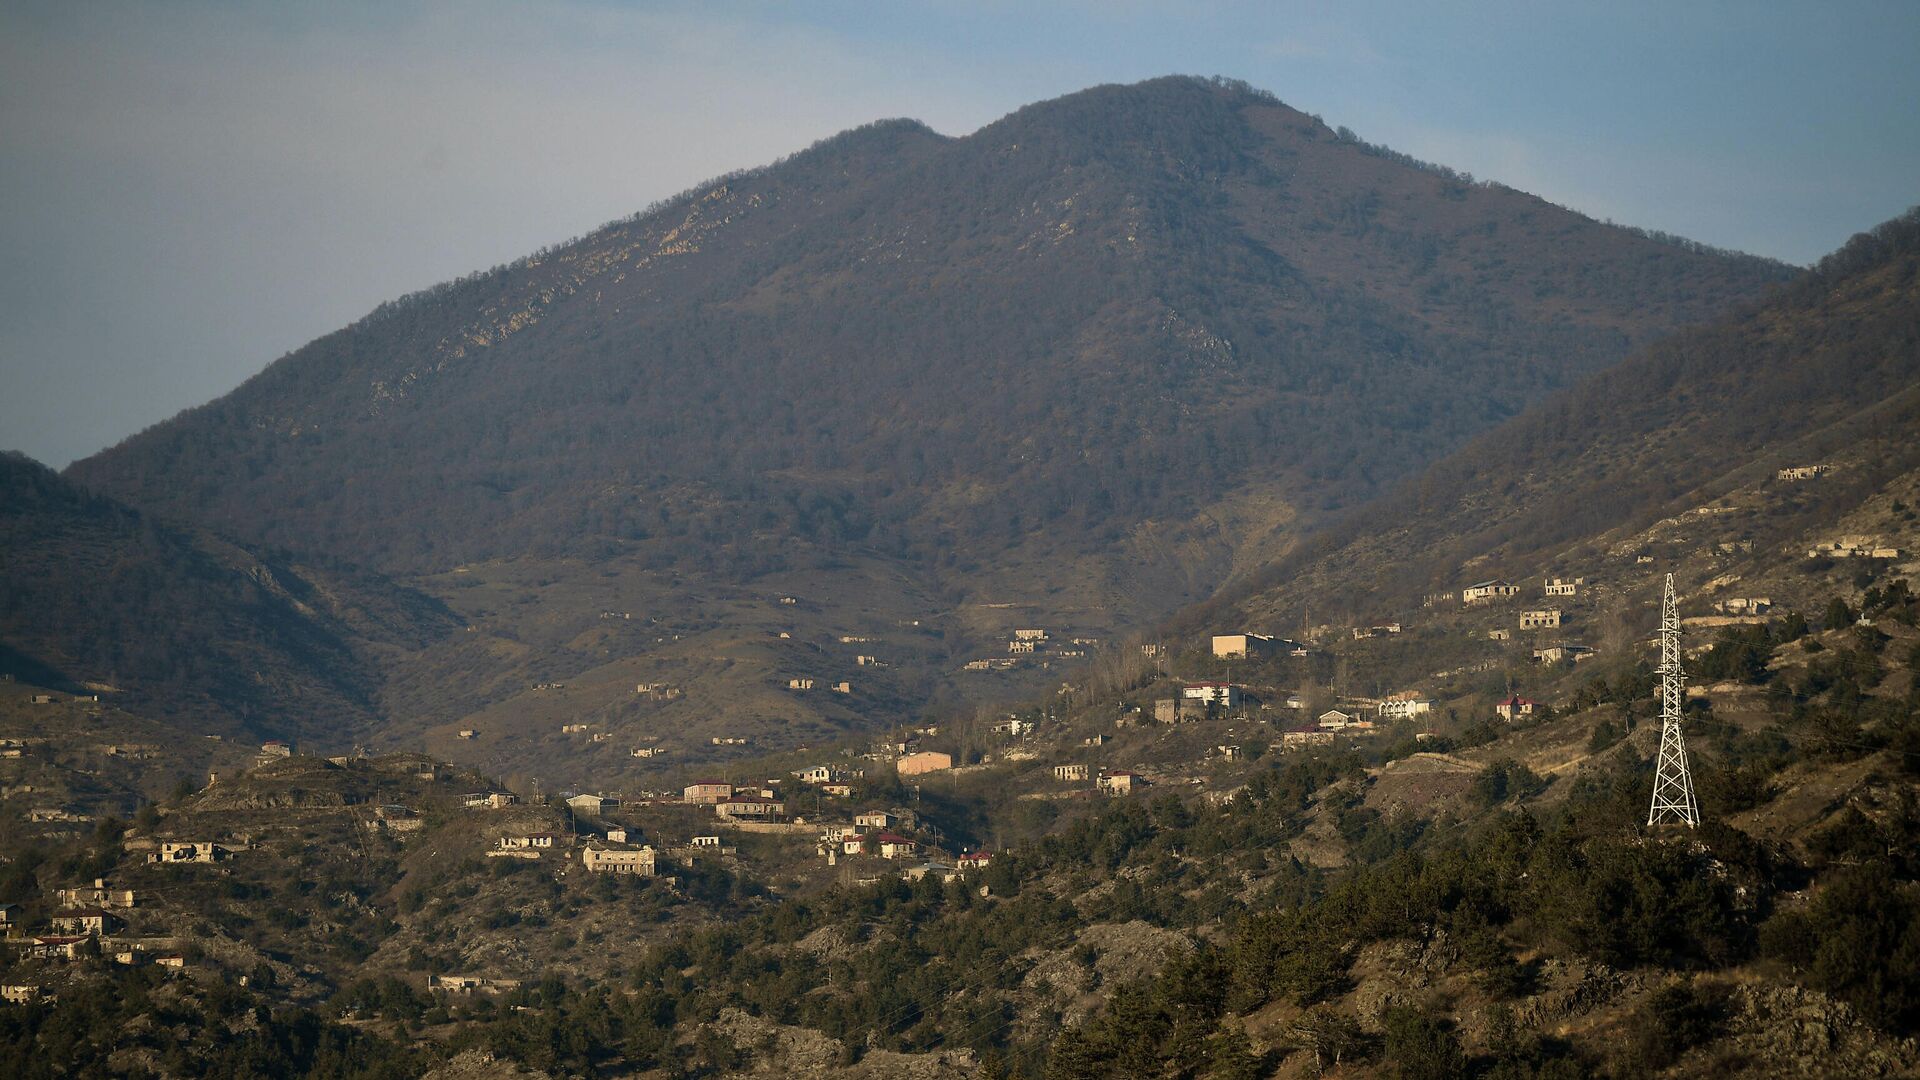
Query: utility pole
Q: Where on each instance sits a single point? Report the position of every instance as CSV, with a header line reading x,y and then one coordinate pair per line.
x,y
1673,800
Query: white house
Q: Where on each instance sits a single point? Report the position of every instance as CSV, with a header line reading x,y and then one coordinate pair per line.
x,y
1488,590
1514,707
1404,707
639,862
1225,695
1540,619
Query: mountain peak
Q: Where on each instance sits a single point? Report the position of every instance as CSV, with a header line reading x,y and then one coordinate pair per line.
x,y
1115,307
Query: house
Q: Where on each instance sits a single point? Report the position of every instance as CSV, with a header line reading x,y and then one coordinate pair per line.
x,y
1022,648
1070,772
1300,740
843,791
1096,740
834,834
1554,654
876,819
489,800
189,851
843,687
96,895
1225,695
170,960
1166,711
1744,605
593,805
865,660
1029,635
1013,727
82,921
1488,590
469,984
540,841
41,699
1802,472
1404,707
942,871
707,792
1242,646
853,843
818,774
274,748
750,808
924,762
648,751
1854,547
889,845
1335,720
1499,634
637,861
468,733
790,600
1228,752
9,918
975,860
19,994
1540,619
705,842
56,946
1120,782
1564,586
616,834
1514,707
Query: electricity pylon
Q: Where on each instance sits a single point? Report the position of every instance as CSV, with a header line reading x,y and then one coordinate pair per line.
x,y
1673,801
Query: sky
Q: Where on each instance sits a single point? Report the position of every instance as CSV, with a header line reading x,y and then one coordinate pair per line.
x,y
190,190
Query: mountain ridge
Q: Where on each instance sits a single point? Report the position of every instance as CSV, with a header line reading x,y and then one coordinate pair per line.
x,y
964,299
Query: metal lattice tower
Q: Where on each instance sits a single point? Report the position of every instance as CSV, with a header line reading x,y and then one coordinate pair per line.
x,y
1673,801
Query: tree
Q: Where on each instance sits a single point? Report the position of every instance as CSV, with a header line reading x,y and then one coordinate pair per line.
x,y
1420,1047
1838,615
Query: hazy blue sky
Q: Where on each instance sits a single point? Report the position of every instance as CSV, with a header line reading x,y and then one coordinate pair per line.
x,y
189,190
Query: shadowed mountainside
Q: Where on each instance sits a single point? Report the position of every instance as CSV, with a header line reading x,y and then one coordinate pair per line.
x,y
185,626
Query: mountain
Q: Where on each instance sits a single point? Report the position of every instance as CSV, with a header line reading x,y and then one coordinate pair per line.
x,y
1133,305
1669,461
1069,372
180,625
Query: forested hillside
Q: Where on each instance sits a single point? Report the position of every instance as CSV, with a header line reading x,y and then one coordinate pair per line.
x,y
1122,305
175,623
1825,373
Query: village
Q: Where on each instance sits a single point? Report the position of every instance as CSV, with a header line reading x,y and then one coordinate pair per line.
x,y
496,878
